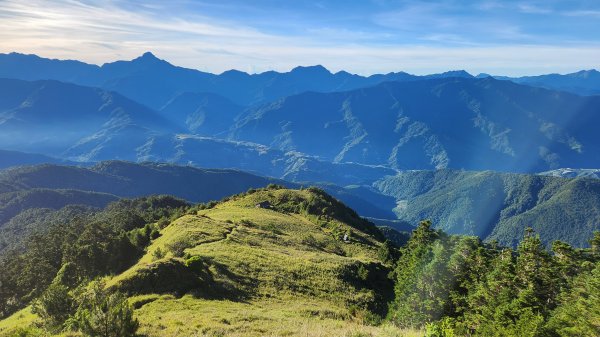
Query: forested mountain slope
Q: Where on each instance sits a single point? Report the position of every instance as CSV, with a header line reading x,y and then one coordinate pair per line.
x,y
461,123
498,206
287,262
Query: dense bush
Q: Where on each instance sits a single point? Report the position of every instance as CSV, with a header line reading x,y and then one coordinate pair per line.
x,y
578,313
104,313
93,310
164,276
178,246
90,243
55,306
459,286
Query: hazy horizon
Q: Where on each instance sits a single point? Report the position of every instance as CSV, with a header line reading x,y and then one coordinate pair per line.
x,y
512,38
287,70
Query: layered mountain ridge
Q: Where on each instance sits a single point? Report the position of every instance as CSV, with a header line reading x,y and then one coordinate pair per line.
x,y
491,205
310,126
439,123
461,123
154,82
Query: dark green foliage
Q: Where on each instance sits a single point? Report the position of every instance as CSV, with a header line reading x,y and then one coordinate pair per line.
x,y
34,211
595,243
325,207
13,203
68,275
458,286
388,252
104,313
55,306
101,250
498,206
135,213
179,246
196,263
423,281
158,254
578,314
566,261
373,287
26,275
84,244
141,237
93,310
164,276
162,223
534,274
207,205
396,237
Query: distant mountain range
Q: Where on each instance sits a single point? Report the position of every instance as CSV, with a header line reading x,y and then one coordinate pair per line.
x,y
15,158
584,82
50,116
128,180
491,205
155,82
358,137
438,123
435,123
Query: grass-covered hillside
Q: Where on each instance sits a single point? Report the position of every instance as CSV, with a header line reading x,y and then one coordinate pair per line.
x,y
498,206
27,190
282,262
29,194
269,262
127,179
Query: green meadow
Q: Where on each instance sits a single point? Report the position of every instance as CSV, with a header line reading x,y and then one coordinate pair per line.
x,y
235,269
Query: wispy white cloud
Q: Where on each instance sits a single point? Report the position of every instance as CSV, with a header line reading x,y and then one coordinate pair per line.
x,y
490,5
417,16
442,19
416,37
447,38
35,27
530,8
584,13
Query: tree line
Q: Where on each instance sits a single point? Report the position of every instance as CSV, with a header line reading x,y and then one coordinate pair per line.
x,y
448,285
59,270
460,286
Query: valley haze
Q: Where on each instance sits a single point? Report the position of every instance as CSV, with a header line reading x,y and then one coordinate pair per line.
x,y
221,168
358,137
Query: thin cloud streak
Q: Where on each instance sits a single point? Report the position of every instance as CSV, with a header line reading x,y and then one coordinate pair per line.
x,y
584,13
107,31
533,9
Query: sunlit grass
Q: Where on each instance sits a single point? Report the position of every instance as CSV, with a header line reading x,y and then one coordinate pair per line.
x,y
13,324
266,273
188,316
282,271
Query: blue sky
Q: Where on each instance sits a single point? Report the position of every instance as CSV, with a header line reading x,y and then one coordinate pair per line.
x,y
365,37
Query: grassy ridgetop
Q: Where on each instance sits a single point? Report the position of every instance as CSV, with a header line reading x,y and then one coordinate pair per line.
x,y
238,270
288,260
